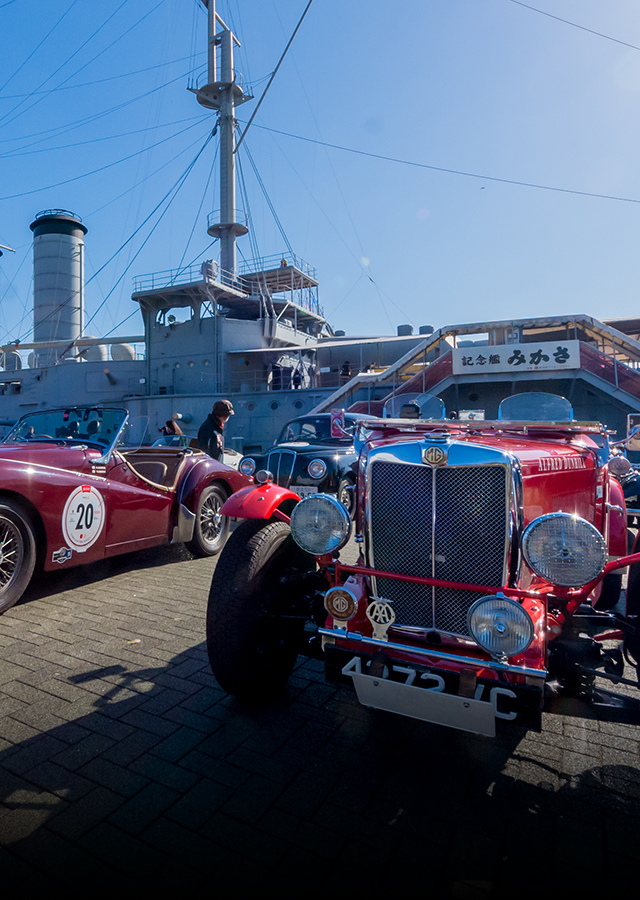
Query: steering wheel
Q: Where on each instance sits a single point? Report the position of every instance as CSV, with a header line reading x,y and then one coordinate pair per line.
x,y
37,436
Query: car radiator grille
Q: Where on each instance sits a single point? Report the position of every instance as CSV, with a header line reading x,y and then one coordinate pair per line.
x,y
458,511
280,463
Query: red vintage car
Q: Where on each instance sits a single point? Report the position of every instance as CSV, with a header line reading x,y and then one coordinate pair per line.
x,y
487,585
74,488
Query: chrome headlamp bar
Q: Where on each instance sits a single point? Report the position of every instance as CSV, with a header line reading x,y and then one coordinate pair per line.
x,y
343,635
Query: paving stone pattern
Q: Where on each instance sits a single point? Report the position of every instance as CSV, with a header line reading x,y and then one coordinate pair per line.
x,y
123,764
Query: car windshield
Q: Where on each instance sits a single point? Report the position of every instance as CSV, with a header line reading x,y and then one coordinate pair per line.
x,y
87,424
535,406
172,440
315,430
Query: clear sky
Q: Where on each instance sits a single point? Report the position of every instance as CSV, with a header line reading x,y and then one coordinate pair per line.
x,y
95,117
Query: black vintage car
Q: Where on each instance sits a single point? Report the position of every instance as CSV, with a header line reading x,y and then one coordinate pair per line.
x,y
308,460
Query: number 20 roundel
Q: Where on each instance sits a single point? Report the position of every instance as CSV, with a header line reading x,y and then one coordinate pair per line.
x,y
83,518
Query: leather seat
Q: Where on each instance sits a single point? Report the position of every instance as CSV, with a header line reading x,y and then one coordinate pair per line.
x,y
152,471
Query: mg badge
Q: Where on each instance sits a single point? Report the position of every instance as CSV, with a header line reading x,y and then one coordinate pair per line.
x,y
435,456
382,617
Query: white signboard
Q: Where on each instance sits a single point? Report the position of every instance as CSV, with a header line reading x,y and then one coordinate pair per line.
x,y
532,357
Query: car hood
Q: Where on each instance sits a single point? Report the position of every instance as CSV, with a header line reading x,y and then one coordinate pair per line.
x,y
39,453
308,447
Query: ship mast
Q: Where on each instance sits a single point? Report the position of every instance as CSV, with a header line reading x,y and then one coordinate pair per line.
x,y
223,93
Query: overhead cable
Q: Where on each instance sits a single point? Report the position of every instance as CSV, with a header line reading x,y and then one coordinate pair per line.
x,y
273,75
408,162
581,27
102,168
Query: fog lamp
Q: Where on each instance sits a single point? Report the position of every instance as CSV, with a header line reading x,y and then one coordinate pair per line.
x,y
500,626
263,476
320,524
564,549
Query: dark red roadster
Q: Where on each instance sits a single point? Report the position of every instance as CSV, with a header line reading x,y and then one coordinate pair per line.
x,y
487,585
74,488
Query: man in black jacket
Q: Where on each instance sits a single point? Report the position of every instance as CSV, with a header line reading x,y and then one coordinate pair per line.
x,y
210,434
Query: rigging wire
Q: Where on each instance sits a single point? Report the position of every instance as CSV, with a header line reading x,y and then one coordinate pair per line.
x,y
83,84
408,162
273,75
35,50
102,168
107,137
197,216
62,129
268,199
177,188
253,242
177,184
574,24
142,180
49,77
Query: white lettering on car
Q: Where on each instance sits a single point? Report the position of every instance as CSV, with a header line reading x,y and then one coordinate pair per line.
x,y
560,463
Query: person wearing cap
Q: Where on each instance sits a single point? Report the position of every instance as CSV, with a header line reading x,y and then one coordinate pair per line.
x,y
211,432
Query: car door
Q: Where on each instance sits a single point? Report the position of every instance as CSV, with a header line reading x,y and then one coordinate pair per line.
x,y
139,512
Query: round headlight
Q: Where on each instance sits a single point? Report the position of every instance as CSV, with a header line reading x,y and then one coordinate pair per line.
x,y
619,465
247,466
317,468
500,626
564,549
320,524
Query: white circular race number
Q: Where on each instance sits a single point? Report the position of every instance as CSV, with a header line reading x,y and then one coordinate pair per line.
x,y
83,518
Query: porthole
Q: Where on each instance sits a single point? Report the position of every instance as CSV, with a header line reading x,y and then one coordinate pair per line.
x,y
251,406
298,404
274,405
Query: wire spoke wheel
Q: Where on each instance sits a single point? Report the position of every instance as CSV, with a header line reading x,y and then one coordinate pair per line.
x,y
211,522
11,553
17,553
211,527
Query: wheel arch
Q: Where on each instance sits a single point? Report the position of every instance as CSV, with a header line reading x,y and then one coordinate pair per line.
x,y
34,517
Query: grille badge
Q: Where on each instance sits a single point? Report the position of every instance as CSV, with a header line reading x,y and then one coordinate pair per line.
x,y
435,456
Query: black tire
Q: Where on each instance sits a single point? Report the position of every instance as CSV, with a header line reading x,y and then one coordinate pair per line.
x,y
633,583
347,494
610,593
252,649
17,554
211,530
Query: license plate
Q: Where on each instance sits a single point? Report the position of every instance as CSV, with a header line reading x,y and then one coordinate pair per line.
x,y
426,704
304,490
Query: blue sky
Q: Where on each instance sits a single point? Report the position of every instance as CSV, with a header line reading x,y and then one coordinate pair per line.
x,y
485,87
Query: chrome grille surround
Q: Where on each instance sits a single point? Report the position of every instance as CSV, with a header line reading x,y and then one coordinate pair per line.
x,y
454,522
281,464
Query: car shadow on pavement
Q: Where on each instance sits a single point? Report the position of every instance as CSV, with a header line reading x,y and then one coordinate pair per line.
x,y
144,773
46,584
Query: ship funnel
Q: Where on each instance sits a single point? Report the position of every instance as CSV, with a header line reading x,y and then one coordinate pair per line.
x,y
58,279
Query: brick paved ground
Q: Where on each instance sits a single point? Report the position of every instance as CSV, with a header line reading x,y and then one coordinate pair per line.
x,y
122,764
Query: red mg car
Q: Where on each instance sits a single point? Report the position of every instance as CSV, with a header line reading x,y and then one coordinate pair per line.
x,y
487,584
74,488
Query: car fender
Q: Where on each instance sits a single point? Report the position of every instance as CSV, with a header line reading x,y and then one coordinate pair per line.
x,y
617,520
257,502
204,472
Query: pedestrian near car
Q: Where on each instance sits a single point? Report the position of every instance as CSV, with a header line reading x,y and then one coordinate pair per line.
x,y
170,427
211,432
